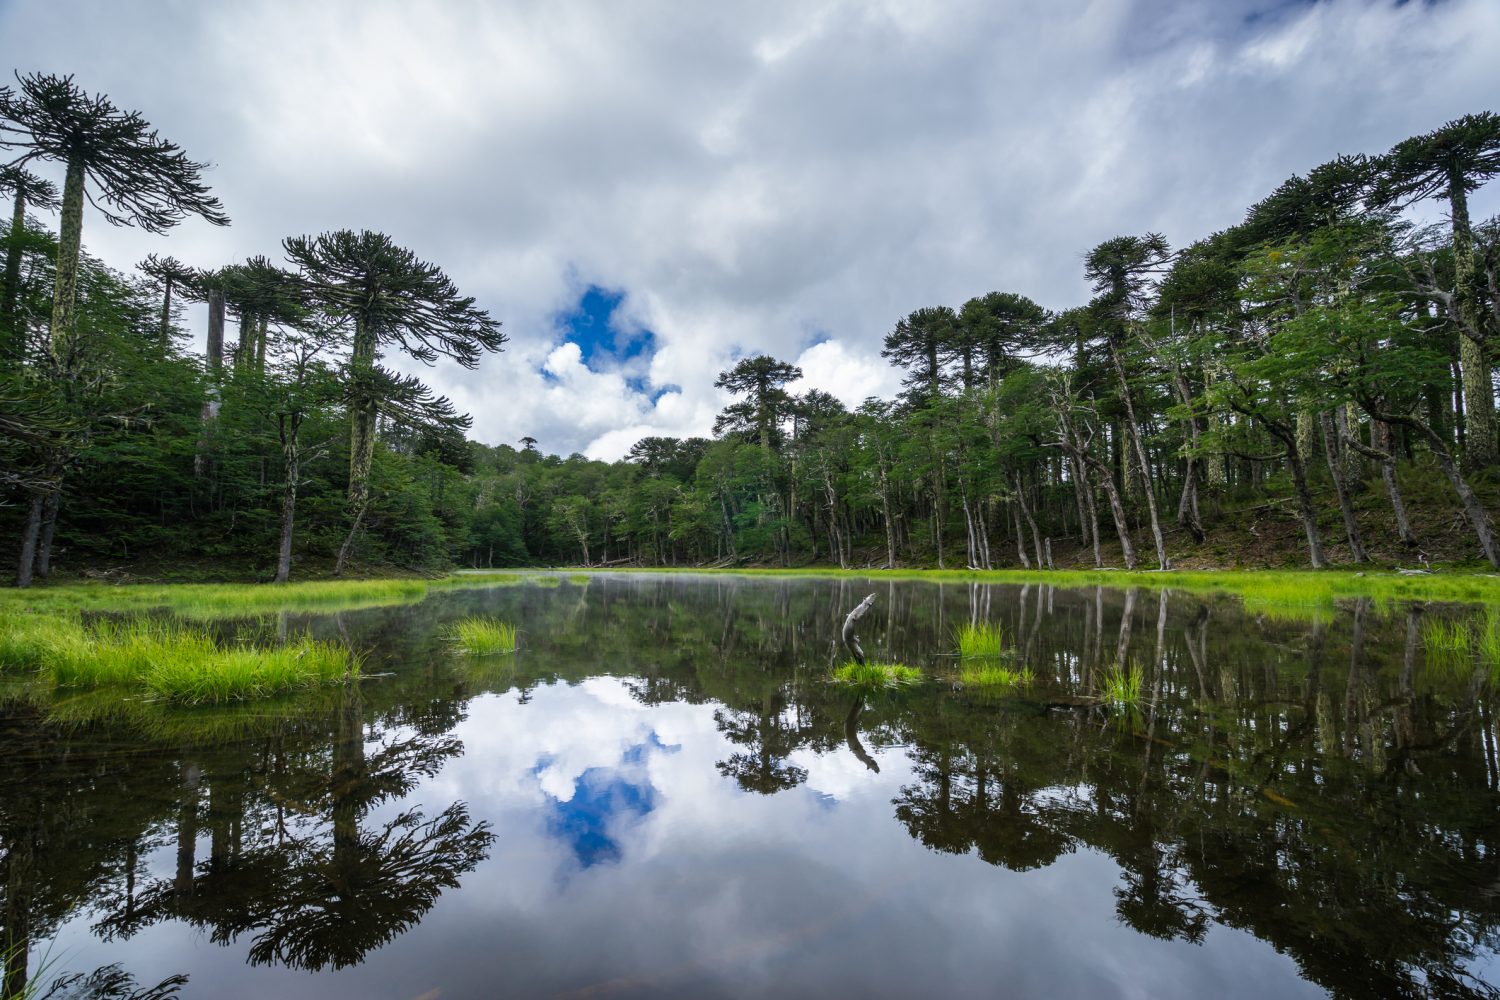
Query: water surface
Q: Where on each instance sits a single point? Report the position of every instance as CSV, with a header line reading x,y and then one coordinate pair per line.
x,y
662,794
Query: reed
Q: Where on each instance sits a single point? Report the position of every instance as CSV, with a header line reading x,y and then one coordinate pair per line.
x,y
482,636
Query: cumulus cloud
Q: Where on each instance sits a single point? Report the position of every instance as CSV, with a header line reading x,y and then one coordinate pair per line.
x,y
785,177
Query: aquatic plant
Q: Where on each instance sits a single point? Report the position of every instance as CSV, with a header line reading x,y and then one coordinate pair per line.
x,y
580,579
1121,686
876,675
982,641
482,636
544,580
994,676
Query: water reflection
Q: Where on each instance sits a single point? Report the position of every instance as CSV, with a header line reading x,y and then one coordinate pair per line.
x,y
1323,785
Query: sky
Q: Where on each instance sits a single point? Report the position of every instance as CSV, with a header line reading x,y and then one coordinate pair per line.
x,y
643,192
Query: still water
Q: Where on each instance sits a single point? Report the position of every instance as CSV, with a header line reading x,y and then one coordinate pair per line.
x,y
661,794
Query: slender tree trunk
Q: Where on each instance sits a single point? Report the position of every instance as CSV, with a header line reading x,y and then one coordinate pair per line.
x,y
166,312
1388,473
363,411
1341,487
30,531
69,245
13,347
289,427
1020,536
1140,453
1479,391
1117,508
1036,535
1305,509
49,528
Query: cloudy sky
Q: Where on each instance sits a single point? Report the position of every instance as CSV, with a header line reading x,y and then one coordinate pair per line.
x,y
643,191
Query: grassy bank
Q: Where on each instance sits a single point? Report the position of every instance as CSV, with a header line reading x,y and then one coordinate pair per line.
x,y
165,660
1264,588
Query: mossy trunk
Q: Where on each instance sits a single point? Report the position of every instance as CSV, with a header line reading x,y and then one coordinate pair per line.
x,y
1341,487
69,245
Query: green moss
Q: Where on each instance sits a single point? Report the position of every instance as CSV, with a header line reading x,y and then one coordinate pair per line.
x,y
482,636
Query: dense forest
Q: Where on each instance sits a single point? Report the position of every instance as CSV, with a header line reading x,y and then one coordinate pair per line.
x,y
1314,384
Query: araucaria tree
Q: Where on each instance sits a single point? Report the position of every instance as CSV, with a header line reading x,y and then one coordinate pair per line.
x,y
392,299
114,157
1450,163
26,190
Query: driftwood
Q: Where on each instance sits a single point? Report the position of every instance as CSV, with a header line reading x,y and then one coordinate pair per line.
x,y
850,639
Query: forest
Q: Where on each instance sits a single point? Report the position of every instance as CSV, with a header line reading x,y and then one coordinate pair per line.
x,y
1312,386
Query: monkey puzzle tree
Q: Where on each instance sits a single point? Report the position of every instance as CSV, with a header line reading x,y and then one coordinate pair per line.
x,y
392,299
1450,163
112,157
761,380
27,191
920,344
170,273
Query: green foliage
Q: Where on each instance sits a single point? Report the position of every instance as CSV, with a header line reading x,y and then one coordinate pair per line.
x,y
992,676
1120,686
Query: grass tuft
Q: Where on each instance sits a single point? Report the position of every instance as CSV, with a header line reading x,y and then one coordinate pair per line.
x,y
1120,687
983,641
876,675
482,636
993,676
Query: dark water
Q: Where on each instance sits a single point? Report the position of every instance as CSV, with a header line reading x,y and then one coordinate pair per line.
x,y
662,795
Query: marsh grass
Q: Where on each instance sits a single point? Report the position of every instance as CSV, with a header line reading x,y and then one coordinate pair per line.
x,y
166,659
982,641
1120,687
580,579
1454,647
541,580
991,676
883,676
482,636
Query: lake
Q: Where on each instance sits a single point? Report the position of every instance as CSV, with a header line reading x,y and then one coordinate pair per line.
x,y
662,793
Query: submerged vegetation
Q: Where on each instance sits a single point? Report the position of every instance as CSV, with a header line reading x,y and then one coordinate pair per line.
x,y
482,636
165,659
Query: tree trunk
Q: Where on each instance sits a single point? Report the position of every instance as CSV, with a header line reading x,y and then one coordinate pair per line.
x,y
69,245
1479,390
13,347
1020,536
1117,508
31,529
1341,487
1145,464
1305,510
292,452
49,528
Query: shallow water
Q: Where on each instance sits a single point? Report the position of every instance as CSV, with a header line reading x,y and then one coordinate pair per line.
x,y
661,794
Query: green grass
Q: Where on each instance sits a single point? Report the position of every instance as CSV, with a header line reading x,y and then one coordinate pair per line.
x,y
1453,647
983,641
876,675
995,677
482,636
163,659
542,580
579,579
1120,687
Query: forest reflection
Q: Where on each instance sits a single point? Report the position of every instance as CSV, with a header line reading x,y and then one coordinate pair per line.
x,y
1324,782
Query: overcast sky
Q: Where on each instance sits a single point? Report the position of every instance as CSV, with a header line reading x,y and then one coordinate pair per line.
x,y
643,191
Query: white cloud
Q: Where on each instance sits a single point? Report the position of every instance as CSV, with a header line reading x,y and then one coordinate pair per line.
x,y
756,179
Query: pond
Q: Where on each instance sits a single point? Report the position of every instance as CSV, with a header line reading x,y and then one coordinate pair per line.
x,y
663,794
